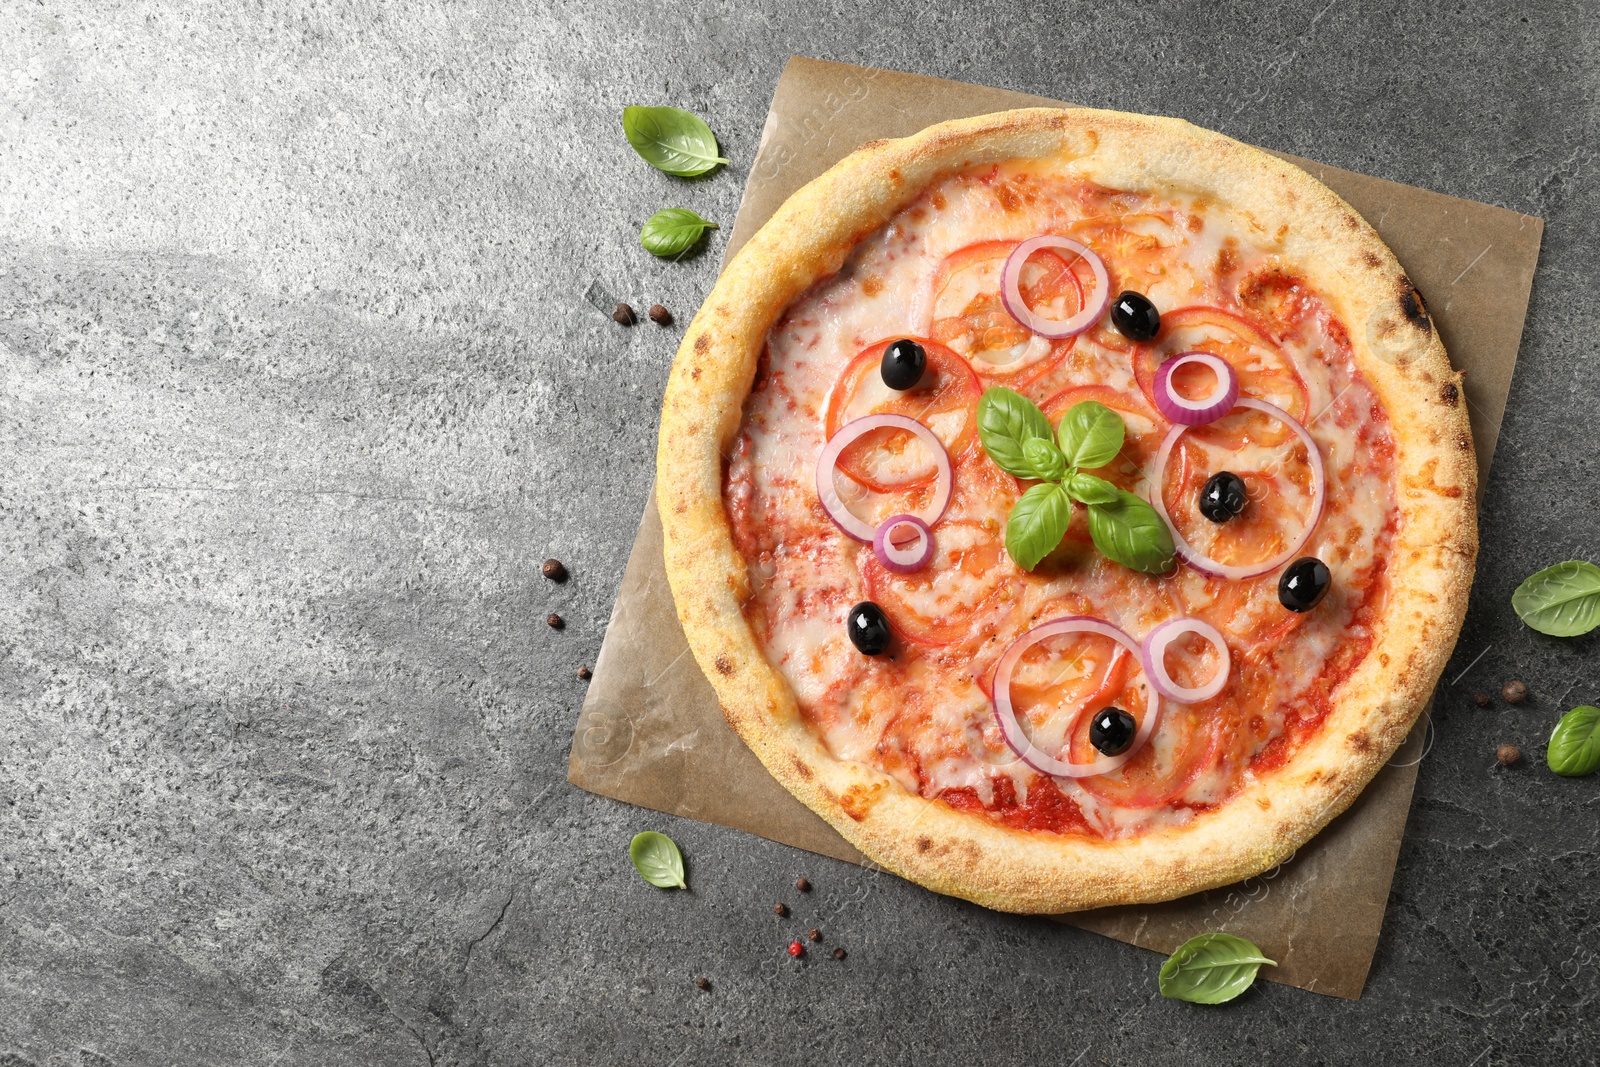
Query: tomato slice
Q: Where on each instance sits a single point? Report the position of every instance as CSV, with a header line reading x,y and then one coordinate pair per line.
x,y
966,312
1059,685
1247,612
1193,739
1251,718
945,401
967,591
1058,694
1278,486
1064,679
1265,371
1136,247
1183,745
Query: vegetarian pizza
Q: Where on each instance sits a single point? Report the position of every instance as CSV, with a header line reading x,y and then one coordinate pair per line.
x,y
1072,508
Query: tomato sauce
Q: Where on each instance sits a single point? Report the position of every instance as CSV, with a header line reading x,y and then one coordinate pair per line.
x,y
1046,807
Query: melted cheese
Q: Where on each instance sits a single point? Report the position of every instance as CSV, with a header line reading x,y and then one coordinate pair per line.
x,y
924,716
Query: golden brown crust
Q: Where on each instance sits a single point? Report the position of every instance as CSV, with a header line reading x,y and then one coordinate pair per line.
x,y
1324,241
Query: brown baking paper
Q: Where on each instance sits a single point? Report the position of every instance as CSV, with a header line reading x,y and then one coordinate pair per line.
x,y
651,732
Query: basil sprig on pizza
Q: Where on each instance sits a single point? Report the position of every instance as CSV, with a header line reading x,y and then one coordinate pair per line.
x,y
1072,508
1020,441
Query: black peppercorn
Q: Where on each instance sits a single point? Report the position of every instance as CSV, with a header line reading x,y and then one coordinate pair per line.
x,y
554,570
1514,692
838,953
781,910
556,621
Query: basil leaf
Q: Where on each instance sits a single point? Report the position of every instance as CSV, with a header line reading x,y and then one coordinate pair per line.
x,y
1037,524
1006,420
1575,745
673,231
657,860
1563,600
671,139
1045,458
1088,489
1130,532
1091,434
1211,969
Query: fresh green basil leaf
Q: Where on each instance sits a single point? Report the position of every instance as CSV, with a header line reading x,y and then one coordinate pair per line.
x,y
1037,523
657,860
673,231
671,139
1575,745
1130,532
1563,600
1091,434
1045,458
1007,419
1211,969
1088,489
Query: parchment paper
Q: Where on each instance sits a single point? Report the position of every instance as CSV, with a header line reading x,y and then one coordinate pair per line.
x,y
651,732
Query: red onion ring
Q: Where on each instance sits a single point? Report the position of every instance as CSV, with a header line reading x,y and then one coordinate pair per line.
x,y
1198,560
857,528
1180,409
1011,288
1011,730
903,560
1155,647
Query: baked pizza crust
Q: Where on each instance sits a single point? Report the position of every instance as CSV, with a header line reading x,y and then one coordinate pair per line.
x,y
1319,237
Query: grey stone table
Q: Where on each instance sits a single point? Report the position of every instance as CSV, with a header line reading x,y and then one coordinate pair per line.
x,y
300,385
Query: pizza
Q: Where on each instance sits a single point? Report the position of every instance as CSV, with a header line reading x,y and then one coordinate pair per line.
x,y
1072,508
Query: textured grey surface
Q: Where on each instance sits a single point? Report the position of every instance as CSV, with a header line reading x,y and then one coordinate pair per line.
x,y
300,384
